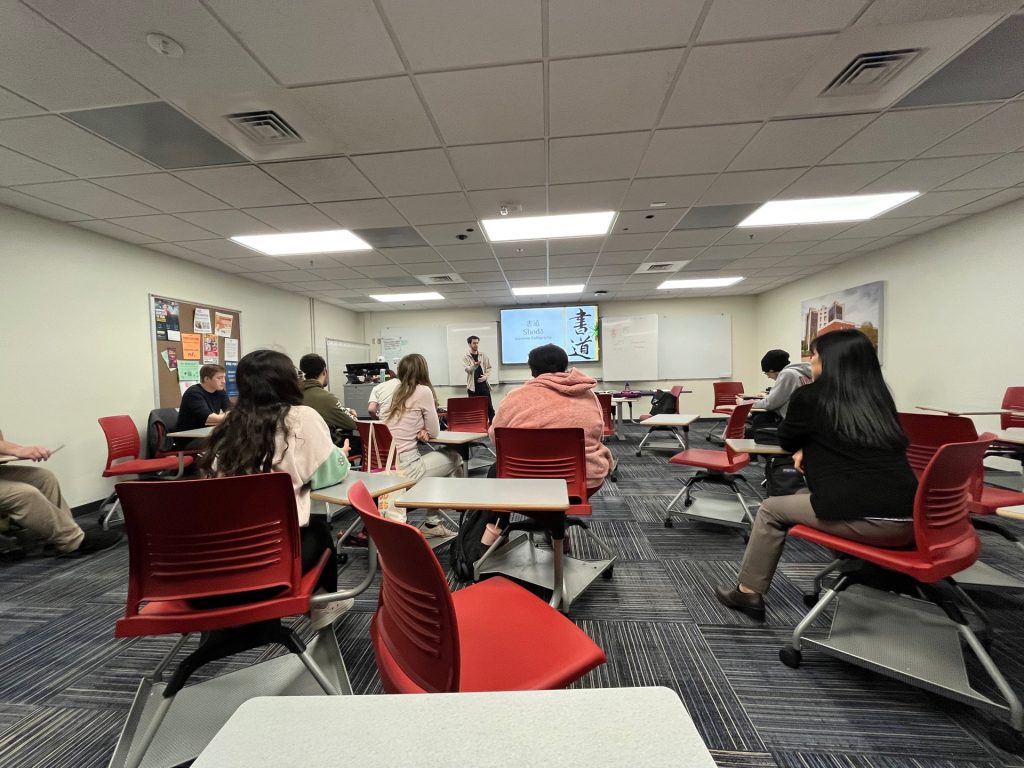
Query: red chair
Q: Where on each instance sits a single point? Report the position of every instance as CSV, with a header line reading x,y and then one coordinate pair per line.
x,y
1013,401
375,457
468,414
605,400
220,556
721,467
944,544
491,636
124,452
725,401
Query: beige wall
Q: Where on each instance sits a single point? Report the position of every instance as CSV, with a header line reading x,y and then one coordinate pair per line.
x,y
952,319
75,334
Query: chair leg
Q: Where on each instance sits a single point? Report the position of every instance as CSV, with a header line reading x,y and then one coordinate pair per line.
x,y
686,486
820,575
150,733
111,516
1012,702
819,607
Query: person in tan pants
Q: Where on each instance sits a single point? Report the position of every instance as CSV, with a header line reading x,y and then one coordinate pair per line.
x,y
31,498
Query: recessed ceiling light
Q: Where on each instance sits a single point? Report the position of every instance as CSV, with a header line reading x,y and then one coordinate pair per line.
x,y
824,210
658,204
425,296
547,290
298,243
548,227
700,282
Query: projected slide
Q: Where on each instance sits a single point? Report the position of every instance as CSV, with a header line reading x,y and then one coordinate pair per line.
x,y
572,328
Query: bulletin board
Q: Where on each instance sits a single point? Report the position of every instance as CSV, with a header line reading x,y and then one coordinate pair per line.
x,y
173,324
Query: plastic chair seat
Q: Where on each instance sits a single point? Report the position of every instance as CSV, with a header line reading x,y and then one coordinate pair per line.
x,y
547,651
145,466
718,461
993,498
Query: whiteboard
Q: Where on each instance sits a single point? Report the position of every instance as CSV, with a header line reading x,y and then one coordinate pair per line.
x,y
630,346
695,347
429,341
340,353
457,334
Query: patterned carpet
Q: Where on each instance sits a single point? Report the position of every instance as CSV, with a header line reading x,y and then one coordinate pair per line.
x,y
66,683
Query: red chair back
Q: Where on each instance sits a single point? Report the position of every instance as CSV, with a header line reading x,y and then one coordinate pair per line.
x,y
928,432
122,439
736,427
558,453
605,400
1013,400
726,391
200,538
943,533
415,619
374,460
467,414
676,392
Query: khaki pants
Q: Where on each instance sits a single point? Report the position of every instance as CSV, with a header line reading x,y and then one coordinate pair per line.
x,y
780,513
31,497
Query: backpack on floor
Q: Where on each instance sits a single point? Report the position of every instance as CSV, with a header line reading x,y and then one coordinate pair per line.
x,y
467,548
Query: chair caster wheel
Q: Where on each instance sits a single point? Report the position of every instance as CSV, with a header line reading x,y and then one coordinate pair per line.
x,y
687,502
343,558
790,656
810,599
1007,739
639,453
669,523
607,573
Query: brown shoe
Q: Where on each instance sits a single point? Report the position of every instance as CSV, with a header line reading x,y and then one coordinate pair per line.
x,y
749,603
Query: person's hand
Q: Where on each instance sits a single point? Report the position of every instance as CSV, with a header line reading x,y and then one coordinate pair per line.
x,y
33,452
345,448
798,461
423,435
740,400
481,379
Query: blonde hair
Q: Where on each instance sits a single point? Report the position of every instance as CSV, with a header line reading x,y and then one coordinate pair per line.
x,y
412,372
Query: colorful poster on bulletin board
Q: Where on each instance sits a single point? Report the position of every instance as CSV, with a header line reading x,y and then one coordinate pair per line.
x,y
201,321
222,323
188,370
211,350
231,386
191,346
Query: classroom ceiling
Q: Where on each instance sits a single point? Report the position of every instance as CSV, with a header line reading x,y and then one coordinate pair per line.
x,y
413,119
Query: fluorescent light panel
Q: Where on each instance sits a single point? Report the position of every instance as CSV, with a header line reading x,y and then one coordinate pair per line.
x,y
825,210
700,282
298,243
548,227
426,296
547,290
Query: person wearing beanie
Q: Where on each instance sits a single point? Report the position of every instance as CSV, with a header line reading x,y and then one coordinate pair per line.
x,y
788,378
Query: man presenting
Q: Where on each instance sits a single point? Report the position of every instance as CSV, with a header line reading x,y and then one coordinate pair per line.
x,y
204,404
478,370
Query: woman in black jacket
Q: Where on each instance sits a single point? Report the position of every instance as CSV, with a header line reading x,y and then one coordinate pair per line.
x,y
844,434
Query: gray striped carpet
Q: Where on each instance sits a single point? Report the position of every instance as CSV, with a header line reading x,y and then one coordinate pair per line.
x,y
66,683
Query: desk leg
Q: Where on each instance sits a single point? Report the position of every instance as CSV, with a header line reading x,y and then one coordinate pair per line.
x,y
558,533
632,420
618,413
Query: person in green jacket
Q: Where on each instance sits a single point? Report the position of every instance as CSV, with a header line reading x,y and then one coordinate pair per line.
x,y
341,420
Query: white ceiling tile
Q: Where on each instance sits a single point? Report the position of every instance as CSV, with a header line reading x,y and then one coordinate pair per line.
x,y
164,227
18,169
370,115
328,179
241,186
1001,131
749,186
879,227
115,231
741,19
162,191
293,218
592,196
117,29
595,158
490,265
687,238
220,249
837,245
1007,171
575,245
709,149
310,261
574,260
789,143
409,173
905,134
779,250
726,252
294,276
383,270
414,255
446,234
320,41
992,201
938,203
809,232
910,11
925,175
83,196
581,27
756,235
655,220
434,209
932,223
460,33
336,272
491,166
740,82
525,201
487,105
12,105
228,223
627,242
629,257
170,249
57,142
260,264
457,253
609,93
835,180
674,191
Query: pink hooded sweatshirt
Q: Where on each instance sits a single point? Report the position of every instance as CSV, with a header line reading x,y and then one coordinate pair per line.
x,y
560,400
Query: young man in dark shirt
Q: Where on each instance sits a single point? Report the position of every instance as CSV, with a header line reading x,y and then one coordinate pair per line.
x,y
204,404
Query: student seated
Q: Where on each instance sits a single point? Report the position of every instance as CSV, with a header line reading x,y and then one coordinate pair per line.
x,y
270,430
204,404
380,395
846,438
788,378
340,420
411,415
558,397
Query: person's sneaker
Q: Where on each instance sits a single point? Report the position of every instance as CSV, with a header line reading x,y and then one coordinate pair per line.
x,y
359,539
321,616
438,531
95,541
750,603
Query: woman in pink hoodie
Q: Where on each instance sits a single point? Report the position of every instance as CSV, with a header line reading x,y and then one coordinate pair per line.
x,y
557,397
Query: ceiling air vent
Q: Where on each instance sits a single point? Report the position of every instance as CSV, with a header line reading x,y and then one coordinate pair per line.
x,y
660,267
440,279
266,128
868,72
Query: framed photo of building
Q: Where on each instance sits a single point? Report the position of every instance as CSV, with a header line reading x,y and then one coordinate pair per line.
x,y
859,308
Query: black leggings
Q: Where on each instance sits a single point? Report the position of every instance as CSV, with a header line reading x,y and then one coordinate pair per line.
x,y
316,537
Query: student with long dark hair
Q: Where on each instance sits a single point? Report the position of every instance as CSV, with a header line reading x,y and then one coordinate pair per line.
x,y
270,430
844,434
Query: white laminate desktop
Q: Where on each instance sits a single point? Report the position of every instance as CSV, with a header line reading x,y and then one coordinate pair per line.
x,y
192,433
508,494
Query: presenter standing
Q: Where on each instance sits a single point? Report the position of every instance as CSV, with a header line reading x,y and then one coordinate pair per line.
x,y
478,371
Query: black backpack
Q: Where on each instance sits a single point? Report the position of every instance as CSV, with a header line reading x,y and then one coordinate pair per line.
x,y
784,479
467,548
663,402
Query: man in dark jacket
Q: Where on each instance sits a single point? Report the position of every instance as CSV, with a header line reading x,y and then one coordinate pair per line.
x,y
341,420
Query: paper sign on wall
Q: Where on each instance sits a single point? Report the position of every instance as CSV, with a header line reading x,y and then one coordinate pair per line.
x,y
223,323
230,350
231,387
188,370
170,358
211,350
201,321
191,346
